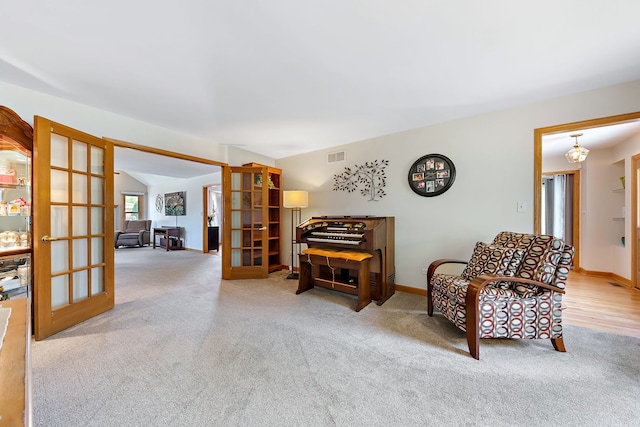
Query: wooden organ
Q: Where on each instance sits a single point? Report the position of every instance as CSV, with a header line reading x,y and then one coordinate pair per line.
x,y
344,241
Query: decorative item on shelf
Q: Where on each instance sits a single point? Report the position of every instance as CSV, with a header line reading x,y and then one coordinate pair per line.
x,y
295,200
622,181
7,176
577,154
370,174
24,240
431,175
622,240
15,207
257,181
9,239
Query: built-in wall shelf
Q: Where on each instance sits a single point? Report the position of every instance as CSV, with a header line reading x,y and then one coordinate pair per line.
x,y
618,219
618,190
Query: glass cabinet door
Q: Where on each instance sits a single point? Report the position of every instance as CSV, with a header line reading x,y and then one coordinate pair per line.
x,y
15,219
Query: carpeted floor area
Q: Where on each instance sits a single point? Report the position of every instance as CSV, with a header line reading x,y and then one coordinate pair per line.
x,y
184,348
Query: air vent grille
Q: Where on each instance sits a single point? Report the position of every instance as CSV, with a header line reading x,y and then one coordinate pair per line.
x,y
338,156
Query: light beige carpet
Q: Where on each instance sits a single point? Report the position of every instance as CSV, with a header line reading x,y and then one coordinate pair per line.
x,y
184,348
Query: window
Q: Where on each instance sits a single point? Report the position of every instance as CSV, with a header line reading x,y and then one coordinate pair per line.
x,y
132,207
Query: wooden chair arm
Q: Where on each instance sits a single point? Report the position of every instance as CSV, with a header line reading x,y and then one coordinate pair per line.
x,y
437,263
430,272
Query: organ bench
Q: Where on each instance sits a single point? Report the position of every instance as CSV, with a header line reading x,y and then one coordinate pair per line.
x,y
330,268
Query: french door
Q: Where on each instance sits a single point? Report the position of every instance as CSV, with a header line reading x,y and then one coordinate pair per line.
x,y
245,253
73,227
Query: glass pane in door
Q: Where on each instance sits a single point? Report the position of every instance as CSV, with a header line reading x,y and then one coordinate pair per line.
x,y
246,218
76,250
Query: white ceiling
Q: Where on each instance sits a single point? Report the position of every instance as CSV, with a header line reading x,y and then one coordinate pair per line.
x,y
283,77
152,168
593,139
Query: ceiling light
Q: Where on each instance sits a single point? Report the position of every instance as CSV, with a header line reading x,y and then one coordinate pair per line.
x,y
577,154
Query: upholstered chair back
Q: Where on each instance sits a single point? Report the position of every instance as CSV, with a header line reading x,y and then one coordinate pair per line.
x,y
545,258
133,226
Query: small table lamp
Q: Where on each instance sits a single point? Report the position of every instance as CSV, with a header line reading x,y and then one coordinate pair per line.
x,y
295,200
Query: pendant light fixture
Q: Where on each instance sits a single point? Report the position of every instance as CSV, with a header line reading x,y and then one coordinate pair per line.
x,y
577,154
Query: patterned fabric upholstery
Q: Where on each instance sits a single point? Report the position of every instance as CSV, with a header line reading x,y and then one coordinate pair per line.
x,y
510,309
491,259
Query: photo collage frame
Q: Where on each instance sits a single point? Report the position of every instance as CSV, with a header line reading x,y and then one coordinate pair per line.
x,y
432,175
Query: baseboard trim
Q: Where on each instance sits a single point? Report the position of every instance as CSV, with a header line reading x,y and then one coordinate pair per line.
x,y
411,290
606,274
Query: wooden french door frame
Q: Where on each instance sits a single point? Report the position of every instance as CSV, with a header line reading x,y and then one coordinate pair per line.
x,y
244,238
73,275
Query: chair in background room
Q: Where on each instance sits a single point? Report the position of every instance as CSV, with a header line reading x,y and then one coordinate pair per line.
x,y
135,233
511,288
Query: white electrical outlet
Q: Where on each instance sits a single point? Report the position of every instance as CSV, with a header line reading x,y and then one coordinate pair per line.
x,y
424,271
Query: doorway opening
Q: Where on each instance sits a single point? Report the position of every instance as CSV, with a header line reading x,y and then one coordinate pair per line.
x,y
163,172
212,202
629,126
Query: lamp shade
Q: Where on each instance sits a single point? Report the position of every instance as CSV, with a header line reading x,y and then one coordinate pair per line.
x,y
295,199
577,153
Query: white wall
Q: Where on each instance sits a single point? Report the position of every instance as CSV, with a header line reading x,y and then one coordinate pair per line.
x,y
621,156
28,103
192,222
493,155
125,183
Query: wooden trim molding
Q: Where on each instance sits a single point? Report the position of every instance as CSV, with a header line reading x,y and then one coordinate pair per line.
x,y
152,150
411,290
606,274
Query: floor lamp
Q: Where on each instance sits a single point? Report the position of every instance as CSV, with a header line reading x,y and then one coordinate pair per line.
x,y
295,200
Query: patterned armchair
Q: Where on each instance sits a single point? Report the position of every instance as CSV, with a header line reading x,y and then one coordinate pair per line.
x,y
511,288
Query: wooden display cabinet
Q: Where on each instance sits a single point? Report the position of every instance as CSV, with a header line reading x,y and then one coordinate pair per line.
x,y
16,146
274,218
16,143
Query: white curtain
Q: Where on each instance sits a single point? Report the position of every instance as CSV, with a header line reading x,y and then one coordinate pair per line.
x,y
557,206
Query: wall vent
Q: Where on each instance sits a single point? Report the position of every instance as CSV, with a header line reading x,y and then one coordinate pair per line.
x,y
338,156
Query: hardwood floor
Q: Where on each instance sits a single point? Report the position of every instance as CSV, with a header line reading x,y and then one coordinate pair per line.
x,y
601,303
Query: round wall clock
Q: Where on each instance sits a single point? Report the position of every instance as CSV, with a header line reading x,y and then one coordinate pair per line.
x,y
431,175
159,202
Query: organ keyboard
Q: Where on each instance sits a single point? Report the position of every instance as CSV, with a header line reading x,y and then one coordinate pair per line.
x,y
373,235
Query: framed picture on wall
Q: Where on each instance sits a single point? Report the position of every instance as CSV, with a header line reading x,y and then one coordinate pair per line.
x,y
175,204
431,175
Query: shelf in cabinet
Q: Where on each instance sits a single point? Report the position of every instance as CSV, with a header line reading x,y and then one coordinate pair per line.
x,y
14,186
14,251
15,292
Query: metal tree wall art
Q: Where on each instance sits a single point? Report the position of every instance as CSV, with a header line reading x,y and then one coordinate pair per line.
x,y
370,175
